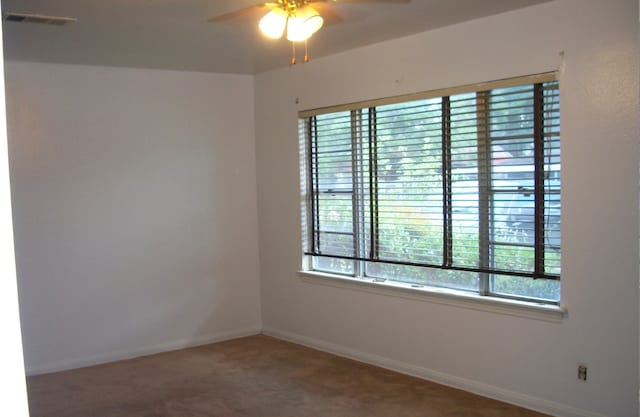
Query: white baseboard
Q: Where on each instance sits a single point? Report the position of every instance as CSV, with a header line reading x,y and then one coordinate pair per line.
x,y
501,394
142,351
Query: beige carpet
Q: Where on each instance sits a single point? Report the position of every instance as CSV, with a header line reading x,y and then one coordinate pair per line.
x,y
256,376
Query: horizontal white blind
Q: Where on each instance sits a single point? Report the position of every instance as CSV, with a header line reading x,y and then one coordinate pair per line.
x,y
465,189
332,185
409,182
551,164
468,182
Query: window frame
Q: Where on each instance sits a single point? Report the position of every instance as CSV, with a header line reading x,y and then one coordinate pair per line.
x,y
359,260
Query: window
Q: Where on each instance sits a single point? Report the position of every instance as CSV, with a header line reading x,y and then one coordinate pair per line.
x,y
457,189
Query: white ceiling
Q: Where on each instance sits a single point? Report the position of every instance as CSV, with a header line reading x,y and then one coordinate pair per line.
x,y
175,34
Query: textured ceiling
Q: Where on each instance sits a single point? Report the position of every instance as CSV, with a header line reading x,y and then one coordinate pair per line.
x,y
175,34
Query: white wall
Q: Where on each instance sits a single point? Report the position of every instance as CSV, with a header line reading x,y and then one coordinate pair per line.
x,y
12,379
593,45
134,199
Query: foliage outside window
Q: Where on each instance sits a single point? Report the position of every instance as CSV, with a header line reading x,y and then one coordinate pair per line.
x,y
457,190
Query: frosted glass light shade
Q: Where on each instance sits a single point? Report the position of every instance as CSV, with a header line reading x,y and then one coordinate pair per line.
x,y
305,23
272,25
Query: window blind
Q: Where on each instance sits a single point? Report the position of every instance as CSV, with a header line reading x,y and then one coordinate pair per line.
x,y
467,183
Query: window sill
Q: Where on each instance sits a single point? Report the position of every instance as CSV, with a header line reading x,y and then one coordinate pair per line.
x,y
455,298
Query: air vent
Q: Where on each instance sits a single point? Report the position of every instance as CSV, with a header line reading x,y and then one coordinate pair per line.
x,y
38,18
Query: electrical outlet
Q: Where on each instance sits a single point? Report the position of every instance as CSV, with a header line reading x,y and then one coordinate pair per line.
x,y
582,372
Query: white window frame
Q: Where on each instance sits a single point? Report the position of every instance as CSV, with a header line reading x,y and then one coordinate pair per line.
x,y
309,268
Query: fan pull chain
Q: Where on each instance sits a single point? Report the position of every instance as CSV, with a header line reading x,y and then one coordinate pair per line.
x,y
294,61
306,52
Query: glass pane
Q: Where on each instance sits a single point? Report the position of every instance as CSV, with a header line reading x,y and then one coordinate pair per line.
x,y
335,213
333,183
511,112
512,258
464,182
552,261
465,218
514,218
335,225
552,220
512,164
339,266
409,181
433,277
335,244
543,289
332,160
552,235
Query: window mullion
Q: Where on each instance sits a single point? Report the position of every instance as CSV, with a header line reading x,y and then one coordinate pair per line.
x,y
447,210
313,179
357,191
539,172
373,183
484,188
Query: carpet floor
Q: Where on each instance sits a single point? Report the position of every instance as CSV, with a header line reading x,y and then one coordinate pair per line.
x,y
257,376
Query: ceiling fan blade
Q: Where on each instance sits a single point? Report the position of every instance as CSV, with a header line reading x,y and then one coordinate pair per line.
x,y
328,13
245,11
360,1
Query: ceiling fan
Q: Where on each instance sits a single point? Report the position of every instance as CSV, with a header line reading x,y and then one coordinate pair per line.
x,y
300,19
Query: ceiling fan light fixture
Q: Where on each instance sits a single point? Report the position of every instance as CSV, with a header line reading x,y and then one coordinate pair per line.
x,y
303,24
273,24
297,17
